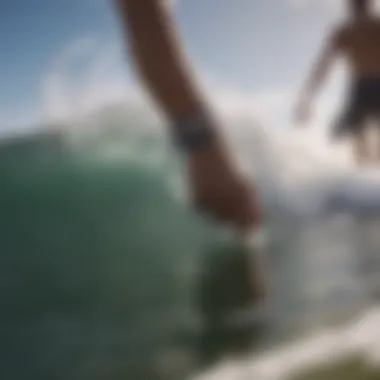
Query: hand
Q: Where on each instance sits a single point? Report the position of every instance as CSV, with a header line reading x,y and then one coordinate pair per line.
x,y
303,114
220,191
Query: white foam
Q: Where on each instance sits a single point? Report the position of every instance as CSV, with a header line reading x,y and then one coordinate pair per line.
x,y
361,337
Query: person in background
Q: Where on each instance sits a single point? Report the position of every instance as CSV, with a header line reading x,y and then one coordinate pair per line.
x,y
357,40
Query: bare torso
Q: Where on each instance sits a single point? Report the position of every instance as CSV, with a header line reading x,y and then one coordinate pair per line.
x,y
360,45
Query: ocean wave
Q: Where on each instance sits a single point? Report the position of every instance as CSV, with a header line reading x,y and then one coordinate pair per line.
x,y
102,255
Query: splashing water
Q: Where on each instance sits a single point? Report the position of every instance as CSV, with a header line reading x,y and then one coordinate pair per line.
x,y
101,255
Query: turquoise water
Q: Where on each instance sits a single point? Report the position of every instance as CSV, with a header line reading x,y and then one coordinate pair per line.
x,y
99,262
103,266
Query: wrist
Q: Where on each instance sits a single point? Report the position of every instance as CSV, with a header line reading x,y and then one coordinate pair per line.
x,y
195,133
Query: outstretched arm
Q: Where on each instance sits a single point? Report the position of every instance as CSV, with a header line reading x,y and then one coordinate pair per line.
x,y
320,71
157,51
217,187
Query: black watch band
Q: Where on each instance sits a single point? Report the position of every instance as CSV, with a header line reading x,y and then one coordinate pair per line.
x,y
194,132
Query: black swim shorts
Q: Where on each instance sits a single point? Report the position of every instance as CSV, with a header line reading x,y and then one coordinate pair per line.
x,y
363,104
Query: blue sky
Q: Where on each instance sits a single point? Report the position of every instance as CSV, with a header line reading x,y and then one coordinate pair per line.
x,y
252,46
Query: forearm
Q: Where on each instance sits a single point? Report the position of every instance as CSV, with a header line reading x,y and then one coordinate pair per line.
x,y
312,86
318,75
162,65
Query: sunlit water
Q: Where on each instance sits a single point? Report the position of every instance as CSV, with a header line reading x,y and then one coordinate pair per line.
x,y
102,262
